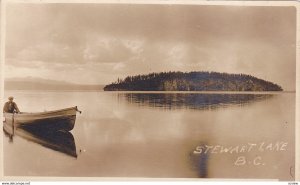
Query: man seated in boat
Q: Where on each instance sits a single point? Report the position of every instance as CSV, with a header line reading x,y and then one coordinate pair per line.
x,y
11,106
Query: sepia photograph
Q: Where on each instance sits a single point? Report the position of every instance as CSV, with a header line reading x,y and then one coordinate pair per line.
x,y
149,90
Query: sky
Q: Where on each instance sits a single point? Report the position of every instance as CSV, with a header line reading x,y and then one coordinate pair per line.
x,y
98,43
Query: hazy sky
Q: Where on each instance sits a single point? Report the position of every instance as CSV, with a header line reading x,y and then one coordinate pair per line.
x,y
97,43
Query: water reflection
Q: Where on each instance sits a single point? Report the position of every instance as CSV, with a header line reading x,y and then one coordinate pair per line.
x,y
199,161
60,141
192,100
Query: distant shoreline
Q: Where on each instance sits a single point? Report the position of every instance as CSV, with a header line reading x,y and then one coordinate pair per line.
x,y
160,92
203,92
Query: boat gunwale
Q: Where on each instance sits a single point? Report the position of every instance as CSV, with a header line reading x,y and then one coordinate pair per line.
x,y
41,113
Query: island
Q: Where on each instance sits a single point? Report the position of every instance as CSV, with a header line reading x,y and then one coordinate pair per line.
x,y
192,81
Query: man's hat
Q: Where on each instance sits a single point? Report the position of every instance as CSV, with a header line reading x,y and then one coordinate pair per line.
x,y
11,98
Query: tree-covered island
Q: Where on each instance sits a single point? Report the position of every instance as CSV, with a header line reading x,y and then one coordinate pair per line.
x,y
192,81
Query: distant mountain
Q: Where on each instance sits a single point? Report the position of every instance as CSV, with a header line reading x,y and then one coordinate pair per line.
x,y
45,84
192,81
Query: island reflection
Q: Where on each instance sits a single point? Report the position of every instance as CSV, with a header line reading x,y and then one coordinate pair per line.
x,y
196,101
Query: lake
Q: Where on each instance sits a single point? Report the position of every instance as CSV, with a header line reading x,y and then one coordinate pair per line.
x,y
161,134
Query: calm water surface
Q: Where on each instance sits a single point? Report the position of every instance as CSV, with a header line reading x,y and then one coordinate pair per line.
x,y
123,134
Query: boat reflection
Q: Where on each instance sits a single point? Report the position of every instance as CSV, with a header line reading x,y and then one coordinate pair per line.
x,y
192,100
60,141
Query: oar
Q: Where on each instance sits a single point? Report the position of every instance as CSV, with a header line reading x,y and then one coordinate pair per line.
x,y
78,110
13,124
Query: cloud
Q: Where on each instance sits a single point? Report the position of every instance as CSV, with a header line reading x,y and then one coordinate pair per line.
x,y
119,66
50,52
101,42
106,49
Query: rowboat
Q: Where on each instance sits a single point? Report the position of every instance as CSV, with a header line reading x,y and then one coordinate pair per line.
x,y
63,119
60,141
